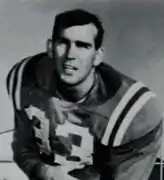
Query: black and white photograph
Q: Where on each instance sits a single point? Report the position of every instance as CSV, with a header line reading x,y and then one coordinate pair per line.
x,y
82,91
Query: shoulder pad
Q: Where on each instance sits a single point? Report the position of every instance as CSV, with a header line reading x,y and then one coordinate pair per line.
x,y
135,100
14,81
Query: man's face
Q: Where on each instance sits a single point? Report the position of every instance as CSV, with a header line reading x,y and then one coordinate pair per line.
x,y
74,53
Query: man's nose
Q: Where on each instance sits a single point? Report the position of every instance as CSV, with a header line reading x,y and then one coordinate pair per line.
x,y
71,52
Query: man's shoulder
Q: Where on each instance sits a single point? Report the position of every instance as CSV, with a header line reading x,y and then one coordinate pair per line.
x,y
114,74
139,107
143,112
23,76
116,83
24,70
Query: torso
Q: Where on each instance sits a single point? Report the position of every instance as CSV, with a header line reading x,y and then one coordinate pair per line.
x,y
81,134
96,112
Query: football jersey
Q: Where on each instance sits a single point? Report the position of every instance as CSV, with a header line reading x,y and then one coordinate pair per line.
x,y
116,111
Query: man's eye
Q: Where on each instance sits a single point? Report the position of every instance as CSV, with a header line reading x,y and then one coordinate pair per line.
x,y
83,45
62,41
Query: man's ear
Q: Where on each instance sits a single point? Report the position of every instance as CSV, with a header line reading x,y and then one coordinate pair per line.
x,y
99,56
49,47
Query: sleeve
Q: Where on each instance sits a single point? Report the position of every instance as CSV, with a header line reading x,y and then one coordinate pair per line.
x,y
25,152
135,157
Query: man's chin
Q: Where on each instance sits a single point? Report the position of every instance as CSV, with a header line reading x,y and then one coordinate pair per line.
x,y
72,81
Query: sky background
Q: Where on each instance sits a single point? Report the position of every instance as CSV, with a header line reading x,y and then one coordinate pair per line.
x,y
134,40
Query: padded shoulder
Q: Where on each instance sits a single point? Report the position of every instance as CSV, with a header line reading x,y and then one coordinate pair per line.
x,y
113,79
22,76
147,118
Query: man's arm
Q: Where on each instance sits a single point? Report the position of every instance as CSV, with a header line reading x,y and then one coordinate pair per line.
x,y
137,163
25,152
142,143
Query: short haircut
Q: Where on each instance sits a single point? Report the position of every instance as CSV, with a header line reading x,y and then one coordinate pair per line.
x,y
74,18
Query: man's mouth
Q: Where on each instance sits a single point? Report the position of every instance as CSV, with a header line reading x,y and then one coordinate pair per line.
x,y
69,67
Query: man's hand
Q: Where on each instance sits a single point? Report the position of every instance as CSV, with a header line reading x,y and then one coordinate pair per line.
x,y
56,110
59,172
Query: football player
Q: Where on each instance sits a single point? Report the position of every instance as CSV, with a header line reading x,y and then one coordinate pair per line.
x,y
77,118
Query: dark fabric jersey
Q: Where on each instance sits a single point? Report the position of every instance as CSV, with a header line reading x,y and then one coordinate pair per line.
x,y
116,124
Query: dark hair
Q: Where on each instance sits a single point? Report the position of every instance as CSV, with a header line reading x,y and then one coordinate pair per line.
x,y
77,17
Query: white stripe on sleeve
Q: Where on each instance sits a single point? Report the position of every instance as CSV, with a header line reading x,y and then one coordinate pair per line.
x,y
130,116
19,83
119,108
11,81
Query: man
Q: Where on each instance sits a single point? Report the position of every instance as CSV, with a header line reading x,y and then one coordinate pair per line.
x,y
76,118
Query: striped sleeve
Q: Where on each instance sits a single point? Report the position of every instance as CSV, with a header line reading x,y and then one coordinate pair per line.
x,y
14,82
10,79
135,132
143,139
137,99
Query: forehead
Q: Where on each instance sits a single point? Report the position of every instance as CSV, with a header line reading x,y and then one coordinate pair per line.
x,y
86,32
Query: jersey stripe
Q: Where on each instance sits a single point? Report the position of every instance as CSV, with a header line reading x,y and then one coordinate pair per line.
x,y
119,108
10,78
130,115
19,83
14,83
14,86
11,81
126,109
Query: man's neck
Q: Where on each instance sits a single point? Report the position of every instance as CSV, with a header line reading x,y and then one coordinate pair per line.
x,y
77,92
